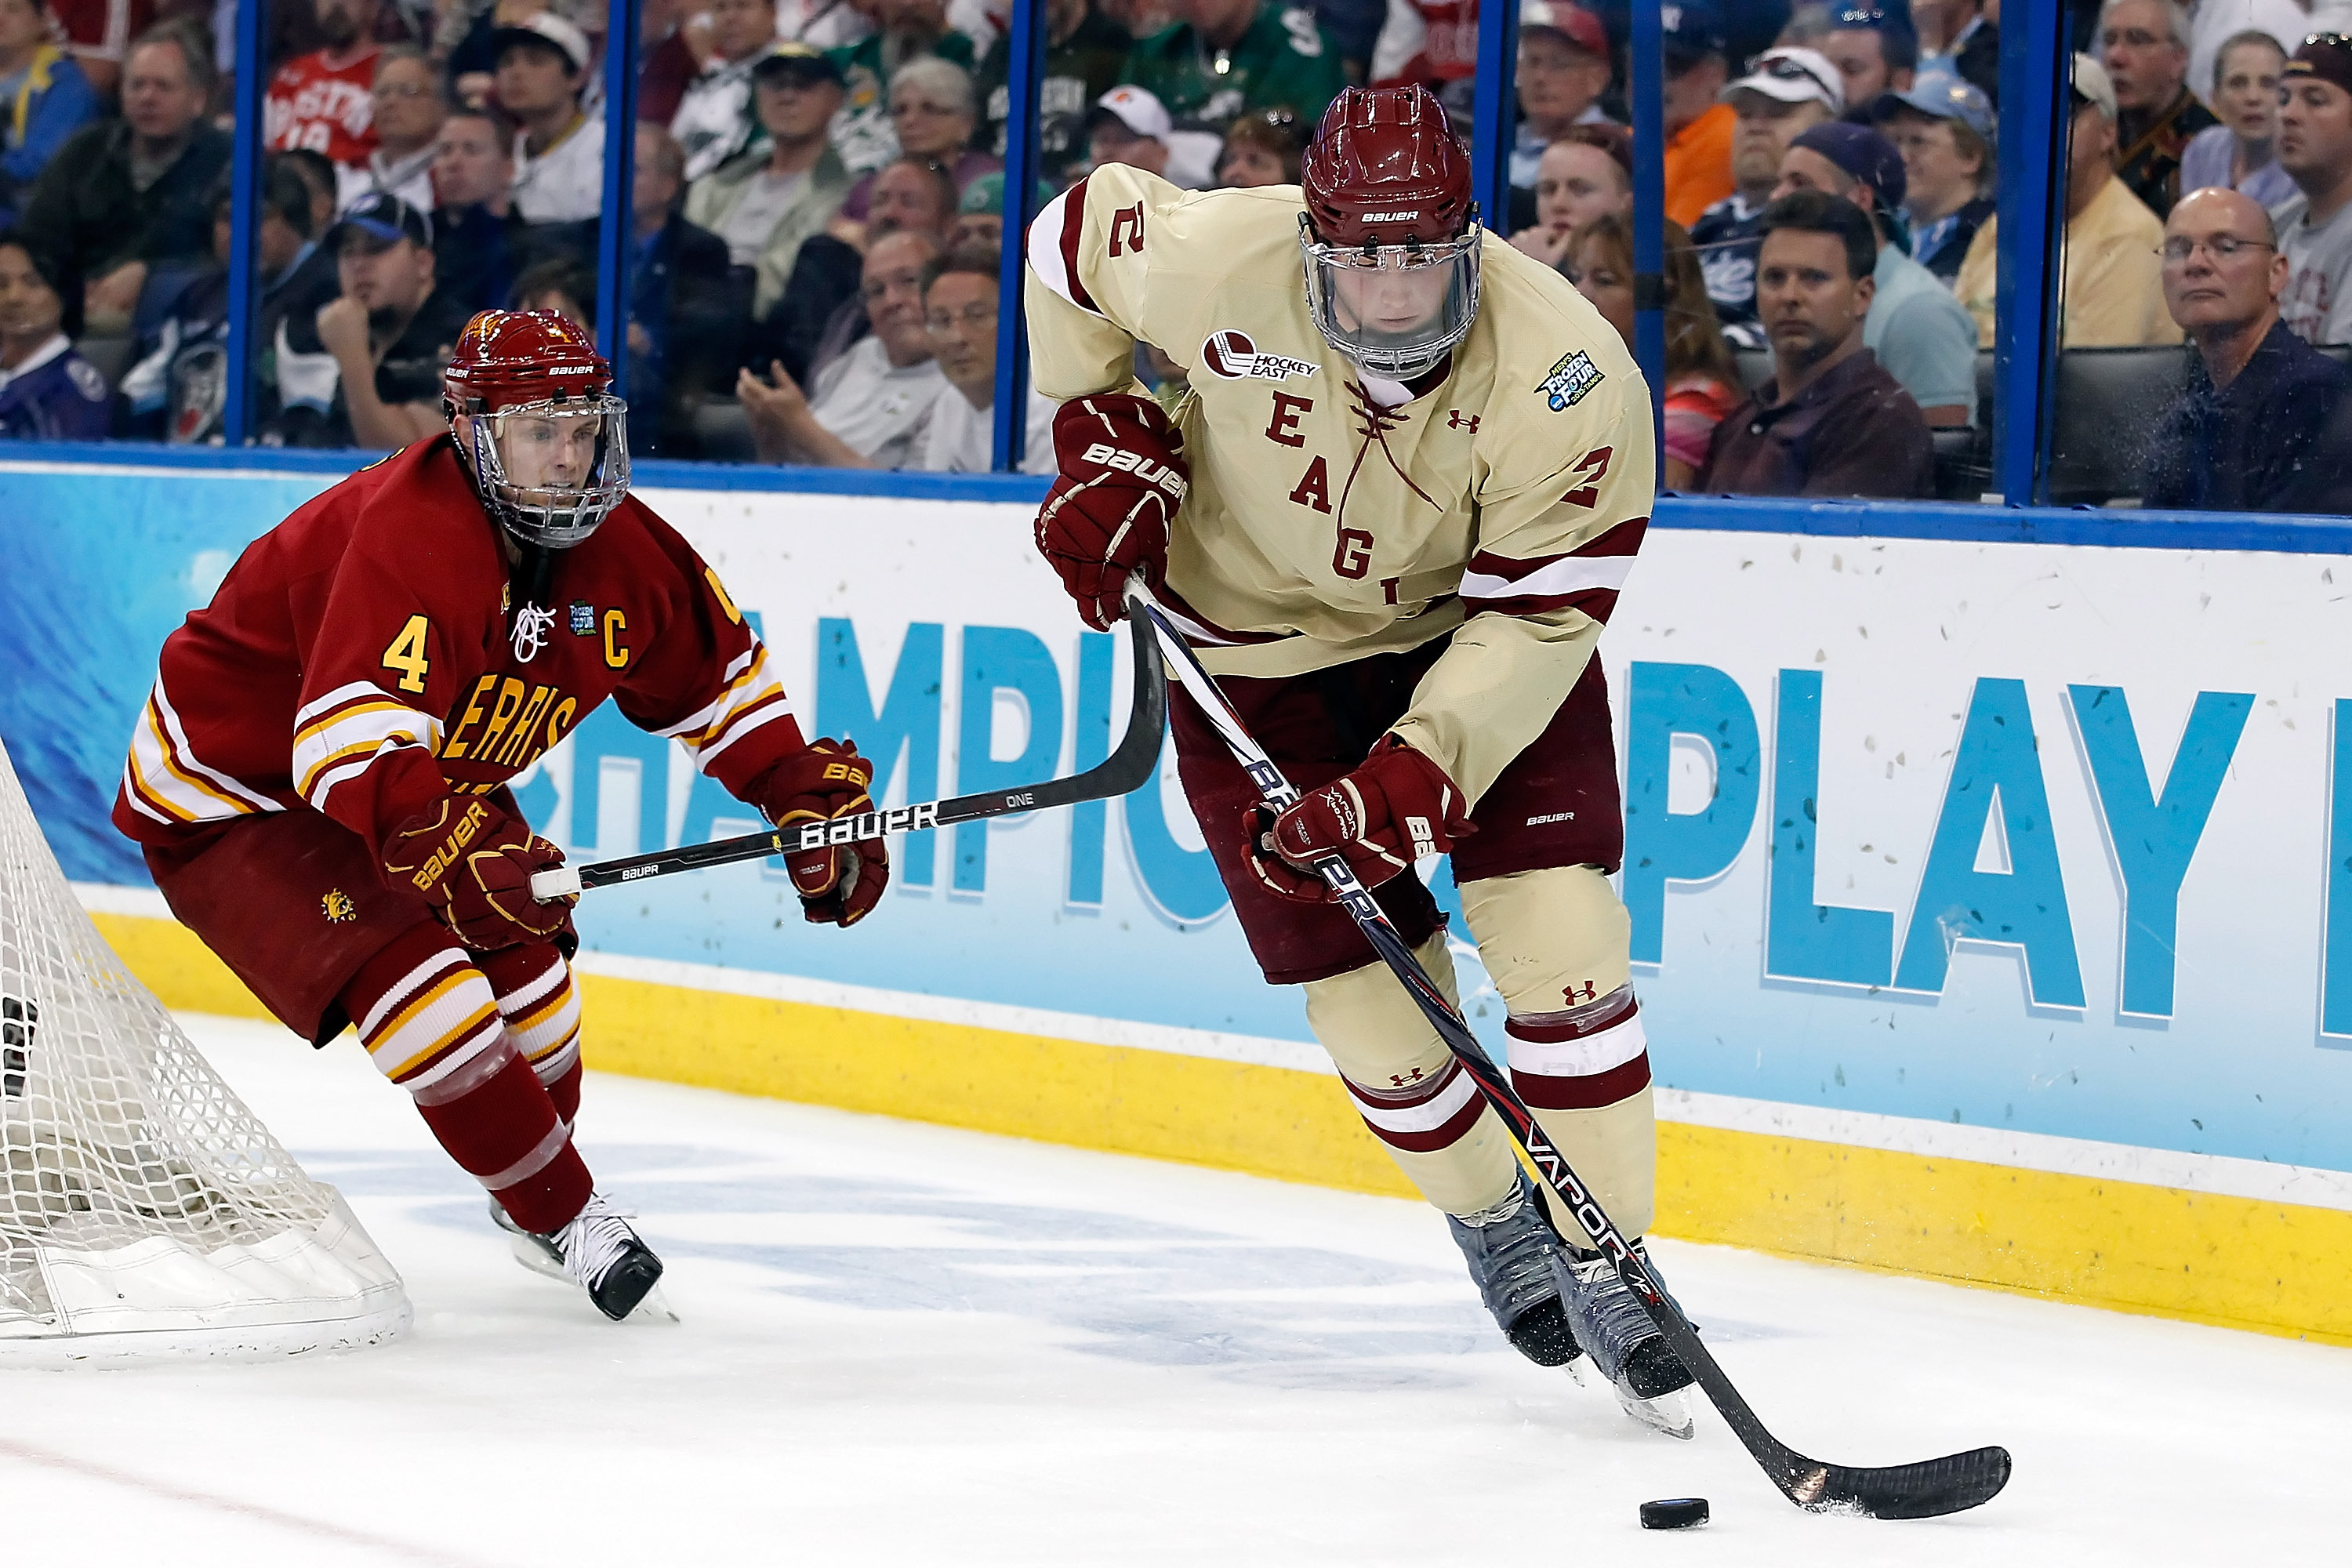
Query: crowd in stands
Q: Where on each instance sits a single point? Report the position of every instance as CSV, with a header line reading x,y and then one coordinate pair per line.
x,y
819,210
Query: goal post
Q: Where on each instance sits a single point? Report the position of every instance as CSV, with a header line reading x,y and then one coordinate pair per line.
x,y
144,1211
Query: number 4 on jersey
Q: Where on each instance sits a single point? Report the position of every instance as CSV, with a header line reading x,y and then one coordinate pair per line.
x,y
407,654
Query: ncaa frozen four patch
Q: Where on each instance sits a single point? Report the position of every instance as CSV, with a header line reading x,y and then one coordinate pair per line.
x,y
1231,355
584,620
1565,387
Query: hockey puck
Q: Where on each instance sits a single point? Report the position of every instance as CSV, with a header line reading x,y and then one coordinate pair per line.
x,y
1673,1513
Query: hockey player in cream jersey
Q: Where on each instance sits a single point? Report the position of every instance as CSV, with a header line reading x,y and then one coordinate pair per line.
x,y
1394,514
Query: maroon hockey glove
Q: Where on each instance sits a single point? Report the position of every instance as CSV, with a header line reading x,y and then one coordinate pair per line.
x,y
1394,808
1123,475
841,883
472,862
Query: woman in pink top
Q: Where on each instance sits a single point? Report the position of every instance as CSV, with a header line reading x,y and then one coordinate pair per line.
x,y
1702,379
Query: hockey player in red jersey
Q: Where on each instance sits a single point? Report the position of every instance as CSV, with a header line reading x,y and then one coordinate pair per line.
x,y
1392,512
320,776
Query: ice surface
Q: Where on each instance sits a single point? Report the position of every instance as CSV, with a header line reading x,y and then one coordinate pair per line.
x,y
907,1344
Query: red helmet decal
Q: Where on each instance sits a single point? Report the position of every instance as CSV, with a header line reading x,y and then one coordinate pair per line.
x,y
1386,167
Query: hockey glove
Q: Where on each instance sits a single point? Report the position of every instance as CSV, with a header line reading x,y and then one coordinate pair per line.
x,y
1123,475
1394,808
472,862
840,883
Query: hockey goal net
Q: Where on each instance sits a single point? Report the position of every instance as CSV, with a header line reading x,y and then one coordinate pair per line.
x,y
144,1210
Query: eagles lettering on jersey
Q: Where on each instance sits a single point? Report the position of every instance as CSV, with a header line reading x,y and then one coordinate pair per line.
x,y
1333,515
362,657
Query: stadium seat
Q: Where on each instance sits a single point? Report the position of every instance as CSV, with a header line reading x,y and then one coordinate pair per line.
x,y
724,431
2105,406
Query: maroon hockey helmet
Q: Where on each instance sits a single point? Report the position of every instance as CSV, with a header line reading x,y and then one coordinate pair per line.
x,y
1391,234
545,440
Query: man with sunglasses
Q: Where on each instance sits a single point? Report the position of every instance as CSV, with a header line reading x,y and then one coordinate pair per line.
x,y
2254,429
1397,506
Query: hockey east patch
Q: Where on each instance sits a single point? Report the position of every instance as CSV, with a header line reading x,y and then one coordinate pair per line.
x,y
1566,383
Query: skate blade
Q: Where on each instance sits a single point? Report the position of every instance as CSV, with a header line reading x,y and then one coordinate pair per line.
x,y
528,1251
1575,1370
654,1309
1668,1413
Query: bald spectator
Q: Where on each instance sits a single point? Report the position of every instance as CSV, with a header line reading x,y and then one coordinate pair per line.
x,y
2251,431
125,195
409,111
2145,46
2110,287
1790,92
1831,422
1875,52
2242,153
1944,129
1919,332
1698,123
44,95
871,407
2316,225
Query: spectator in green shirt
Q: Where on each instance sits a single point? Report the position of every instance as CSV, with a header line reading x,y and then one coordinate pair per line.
x,y
908,30
1223,58
1084,49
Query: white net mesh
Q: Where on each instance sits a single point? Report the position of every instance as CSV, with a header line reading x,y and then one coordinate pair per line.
x,y
137,1194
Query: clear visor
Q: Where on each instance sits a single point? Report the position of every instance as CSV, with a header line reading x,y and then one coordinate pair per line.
x,y
554,471
1397,309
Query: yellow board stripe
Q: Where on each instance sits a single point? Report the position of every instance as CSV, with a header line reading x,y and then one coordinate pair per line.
x,y
2278,1268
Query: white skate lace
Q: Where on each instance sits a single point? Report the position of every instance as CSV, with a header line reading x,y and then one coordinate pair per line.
x,y
597,1238
1508,1209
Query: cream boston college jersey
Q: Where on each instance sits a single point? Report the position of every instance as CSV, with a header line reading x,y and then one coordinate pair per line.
x,y
1333,515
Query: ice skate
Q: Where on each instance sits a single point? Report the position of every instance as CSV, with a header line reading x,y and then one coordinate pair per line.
x,y
599,1251
1627,1347
1516,1261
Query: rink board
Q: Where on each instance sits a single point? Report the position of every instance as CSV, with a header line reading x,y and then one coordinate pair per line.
x,y
2022,974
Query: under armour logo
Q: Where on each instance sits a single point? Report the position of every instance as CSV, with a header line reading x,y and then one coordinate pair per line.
x,y
531,629
1405,1080
1454,421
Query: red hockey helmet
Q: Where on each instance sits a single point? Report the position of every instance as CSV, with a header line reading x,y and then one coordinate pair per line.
x,y
531,403
1390,233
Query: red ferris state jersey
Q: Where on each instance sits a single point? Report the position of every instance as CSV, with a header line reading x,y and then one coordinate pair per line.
x,y
1334,515
359,659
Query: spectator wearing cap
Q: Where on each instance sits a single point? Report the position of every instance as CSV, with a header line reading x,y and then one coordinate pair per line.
x,y
1698,124
934,113
44,99
906,31
321,100
474,228
683,312
2242,153
1585,174
1831,421
869,406
2314,225
124,195
716,118
47,391
1919,332
1223,58
2144,44
959,296
1563,71
1962,37
2251,432
979,215
1790,92
1944,129
1128,126
365,371
1875,52
2110,282
767,202
177,388
559,149
1084,47
1260,148
409,109
1702,381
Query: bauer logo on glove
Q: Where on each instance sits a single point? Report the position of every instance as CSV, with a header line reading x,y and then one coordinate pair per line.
x,y
840,881
1123,476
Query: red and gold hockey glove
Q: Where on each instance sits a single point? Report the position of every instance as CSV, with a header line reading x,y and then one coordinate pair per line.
x,y
472,862
1123,475
840,883
1393,809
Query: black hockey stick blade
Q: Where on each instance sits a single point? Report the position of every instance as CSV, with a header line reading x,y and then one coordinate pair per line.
x,y
1920,1490
1125,770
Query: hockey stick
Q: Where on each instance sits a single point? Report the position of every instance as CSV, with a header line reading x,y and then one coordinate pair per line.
x,y
1126,769
1920,1490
